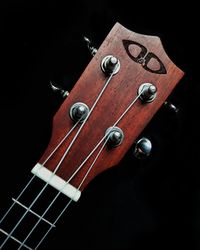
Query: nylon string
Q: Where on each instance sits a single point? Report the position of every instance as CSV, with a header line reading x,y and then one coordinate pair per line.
x,y
30,181
58,165
65,156
85,176
55,198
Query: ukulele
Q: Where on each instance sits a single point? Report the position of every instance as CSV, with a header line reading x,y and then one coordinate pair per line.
x,y
123,86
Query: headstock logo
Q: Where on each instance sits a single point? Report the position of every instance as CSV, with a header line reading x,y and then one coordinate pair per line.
x,y
144,57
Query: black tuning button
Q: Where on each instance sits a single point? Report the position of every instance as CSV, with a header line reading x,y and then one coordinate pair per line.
x,y
142,148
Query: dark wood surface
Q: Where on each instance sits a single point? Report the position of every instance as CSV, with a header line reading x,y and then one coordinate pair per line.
x,y
121,91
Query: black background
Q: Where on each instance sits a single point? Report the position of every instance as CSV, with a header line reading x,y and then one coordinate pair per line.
x,y
140,204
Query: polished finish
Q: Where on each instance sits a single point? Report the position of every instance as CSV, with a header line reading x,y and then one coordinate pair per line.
x,y
120,92
148,92
142,148
114,136
110,65
79,111
56,88
91,48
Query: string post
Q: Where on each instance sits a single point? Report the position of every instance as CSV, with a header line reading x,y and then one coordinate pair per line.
x,y
79,111
147,92
114,136
110,65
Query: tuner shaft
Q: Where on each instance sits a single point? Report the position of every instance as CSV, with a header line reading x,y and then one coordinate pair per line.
x,y
79,111
147,92
110,65
114,136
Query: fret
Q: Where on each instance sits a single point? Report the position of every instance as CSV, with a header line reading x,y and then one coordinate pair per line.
x,y
31,211
36,215
15,239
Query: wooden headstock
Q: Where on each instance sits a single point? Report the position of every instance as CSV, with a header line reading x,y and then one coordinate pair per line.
x,y
142,63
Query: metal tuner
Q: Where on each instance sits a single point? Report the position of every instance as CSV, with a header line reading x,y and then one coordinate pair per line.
x,y
91,48
58,89
143,148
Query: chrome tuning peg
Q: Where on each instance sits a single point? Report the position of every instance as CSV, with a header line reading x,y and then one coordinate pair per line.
x,y
56,88
142,148
92,49
171,107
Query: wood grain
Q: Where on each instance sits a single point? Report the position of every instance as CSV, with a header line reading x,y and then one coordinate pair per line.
x,y
121,90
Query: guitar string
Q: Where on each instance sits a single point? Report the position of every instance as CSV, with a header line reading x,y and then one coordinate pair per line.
x,y
113,125
30,181
55,149
100,141
66,152
65,137
97,145
61,142
55,198
79,130
65,208
48,231
18,197
122,114
85,176
58,165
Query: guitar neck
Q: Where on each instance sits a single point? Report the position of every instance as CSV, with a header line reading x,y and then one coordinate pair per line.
x,y
36,210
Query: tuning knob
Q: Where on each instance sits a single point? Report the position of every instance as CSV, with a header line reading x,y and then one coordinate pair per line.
x,y
56,88
171,107
142,148
147,92
114,136
79,111
92,49
110,65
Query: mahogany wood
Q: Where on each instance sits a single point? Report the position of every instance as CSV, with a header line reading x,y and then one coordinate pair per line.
x,y
120,92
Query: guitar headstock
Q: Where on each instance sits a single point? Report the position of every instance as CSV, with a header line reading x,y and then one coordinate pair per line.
x,y
121,89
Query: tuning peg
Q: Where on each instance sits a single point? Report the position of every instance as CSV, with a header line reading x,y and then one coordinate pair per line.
x,y
56,88
142,148
147,92
92,49
110,65
114,136
171,107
